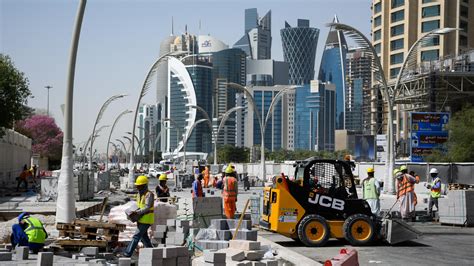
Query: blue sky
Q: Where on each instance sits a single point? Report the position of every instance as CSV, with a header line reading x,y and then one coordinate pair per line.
x,y
120,40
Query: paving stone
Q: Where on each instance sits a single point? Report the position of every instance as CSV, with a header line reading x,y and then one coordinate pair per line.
x,y
45,259
149,254
182,252
224,234
98,261
234,254
155,262
160,228
254,254
22,253
244,263
213,256
124,262
213,244
258,263
90,251
220,224
170,241
159,235
244,244
170,252
171,222
184,230
77,256
171,228
170,261
270,262
181,261
182,223
106,255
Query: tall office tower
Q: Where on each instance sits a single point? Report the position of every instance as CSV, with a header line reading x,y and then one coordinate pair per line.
x,y
228,66
358,84
315,122
333,70
397,25
275,136
200,70
147,119
299,50
257,39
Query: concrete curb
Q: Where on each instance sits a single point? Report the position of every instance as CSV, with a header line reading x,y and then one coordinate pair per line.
x,y
287,254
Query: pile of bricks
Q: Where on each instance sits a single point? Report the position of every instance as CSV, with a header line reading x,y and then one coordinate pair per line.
x,y
239,252
22,254
174,232
172,256
225,230
92,255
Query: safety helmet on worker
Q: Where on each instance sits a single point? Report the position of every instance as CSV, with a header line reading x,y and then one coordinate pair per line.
x,y
229,169
403,168
163,177
434,171
141,180
370,170
23,215
396,171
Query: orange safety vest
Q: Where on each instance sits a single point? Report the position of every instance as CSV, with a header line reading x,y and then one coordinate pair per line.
x,y
405,186
230,188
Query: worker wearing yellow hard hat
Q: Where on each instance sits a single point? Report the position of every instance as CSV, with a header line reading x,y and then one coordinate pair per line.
x,y
230,192
371,188
145,203
162,190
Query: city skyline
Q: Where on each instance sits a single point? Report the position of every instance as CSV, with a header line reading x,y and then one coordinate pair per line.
x,y
112,34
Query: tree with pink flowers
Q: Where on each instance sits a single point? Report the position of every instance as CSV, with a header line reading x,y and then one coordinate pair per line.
x,y
47,137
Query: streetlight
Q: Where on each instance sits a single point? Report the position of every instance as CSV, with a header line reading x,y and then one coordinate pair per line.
x,y
66,201
48,87
99,116
209,122
263,124
91,137
124,149
110,135
146,85
224,118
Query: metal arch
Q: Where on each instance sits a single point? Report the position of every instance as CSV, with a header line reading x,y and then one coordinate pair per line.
x,y
274,102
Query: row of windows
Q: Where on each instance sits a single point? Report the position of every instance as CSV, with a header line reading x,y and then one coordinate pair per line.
x,y
397,30
397,44
429,25
397,16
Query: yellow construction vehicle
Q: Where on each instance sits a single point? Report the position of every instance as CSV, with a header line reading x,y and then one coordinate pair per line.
x,y
321,203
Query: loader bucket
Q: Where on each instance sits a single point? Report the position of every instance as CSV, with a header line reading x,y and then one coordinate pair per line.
x,y
397,231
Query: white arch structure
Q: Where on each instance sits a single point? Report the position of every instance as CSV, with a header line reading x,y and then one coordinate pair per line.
x,y
177,69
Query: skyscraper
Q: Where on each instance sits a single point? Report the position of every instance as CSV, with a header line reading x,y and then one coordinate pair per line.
x,y
358,84
299,50
333,70
147,119
257,39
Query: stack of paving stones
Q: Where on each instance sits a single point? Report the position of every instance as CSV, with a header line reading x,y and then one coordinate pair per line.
x,y
225,229
5,254
92,255
174,232
239,252
166,256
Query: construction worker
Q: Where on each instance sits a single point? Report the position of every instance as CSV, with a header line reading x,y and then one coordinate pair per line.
x,y
197,187
23,178
406,192
371,191
28,232
206,177
229,193
162,190
435,188
145,200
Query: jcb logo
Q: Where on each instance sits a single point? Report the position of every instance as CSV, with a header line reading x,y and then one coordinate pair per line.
x,y
326,201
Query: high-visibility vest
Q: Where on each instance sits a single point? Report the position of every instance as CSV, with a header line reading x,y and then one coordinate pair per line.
x,y
405,186
230,188
435,192
370,191
35,230
147,218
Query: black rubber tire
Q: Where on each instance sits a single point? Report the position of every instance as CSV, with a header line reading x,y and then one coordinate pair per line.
x,y
354,239
305,222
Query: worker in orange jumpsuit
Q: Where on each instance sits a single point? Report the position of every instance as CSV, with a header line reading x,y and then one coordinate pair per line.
x,y
229,193
206,177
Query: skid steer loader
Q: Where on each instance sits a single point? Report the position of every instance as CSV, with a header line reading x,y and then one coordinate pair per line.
x,y
322,203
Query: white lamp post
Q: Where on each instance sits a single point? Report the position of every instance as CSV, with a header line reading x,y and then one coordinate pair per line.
x,y
110,135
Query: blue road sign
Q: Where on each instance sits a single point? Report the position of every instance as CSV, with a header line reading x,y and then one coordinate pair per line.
x,y
428,132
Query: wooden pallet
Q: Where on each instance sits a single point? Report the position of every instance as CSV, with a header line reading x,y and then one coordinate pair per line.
x,y
92,233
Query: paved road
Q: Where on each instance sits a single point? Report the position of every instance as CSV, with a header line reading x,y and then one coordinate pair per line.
x,y
439,245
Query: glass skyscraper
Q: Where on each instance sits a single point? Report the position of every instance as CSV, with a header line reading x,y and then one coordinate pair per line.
x,y
257,39
273,132
333,70
299,50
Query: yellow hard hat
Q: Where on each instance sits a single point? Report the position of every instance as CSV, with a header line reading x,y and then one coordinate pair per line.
x,y
370,170
396,171
141,180
163,177
229,169
403,167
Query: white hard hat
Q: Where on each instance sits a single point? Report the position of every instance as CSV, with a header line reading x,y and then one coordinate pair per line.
x,y
434,171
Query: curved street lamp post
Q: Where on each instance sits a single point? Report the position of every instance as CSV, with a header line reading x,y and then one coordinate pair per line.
x,y
224,118
110,135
